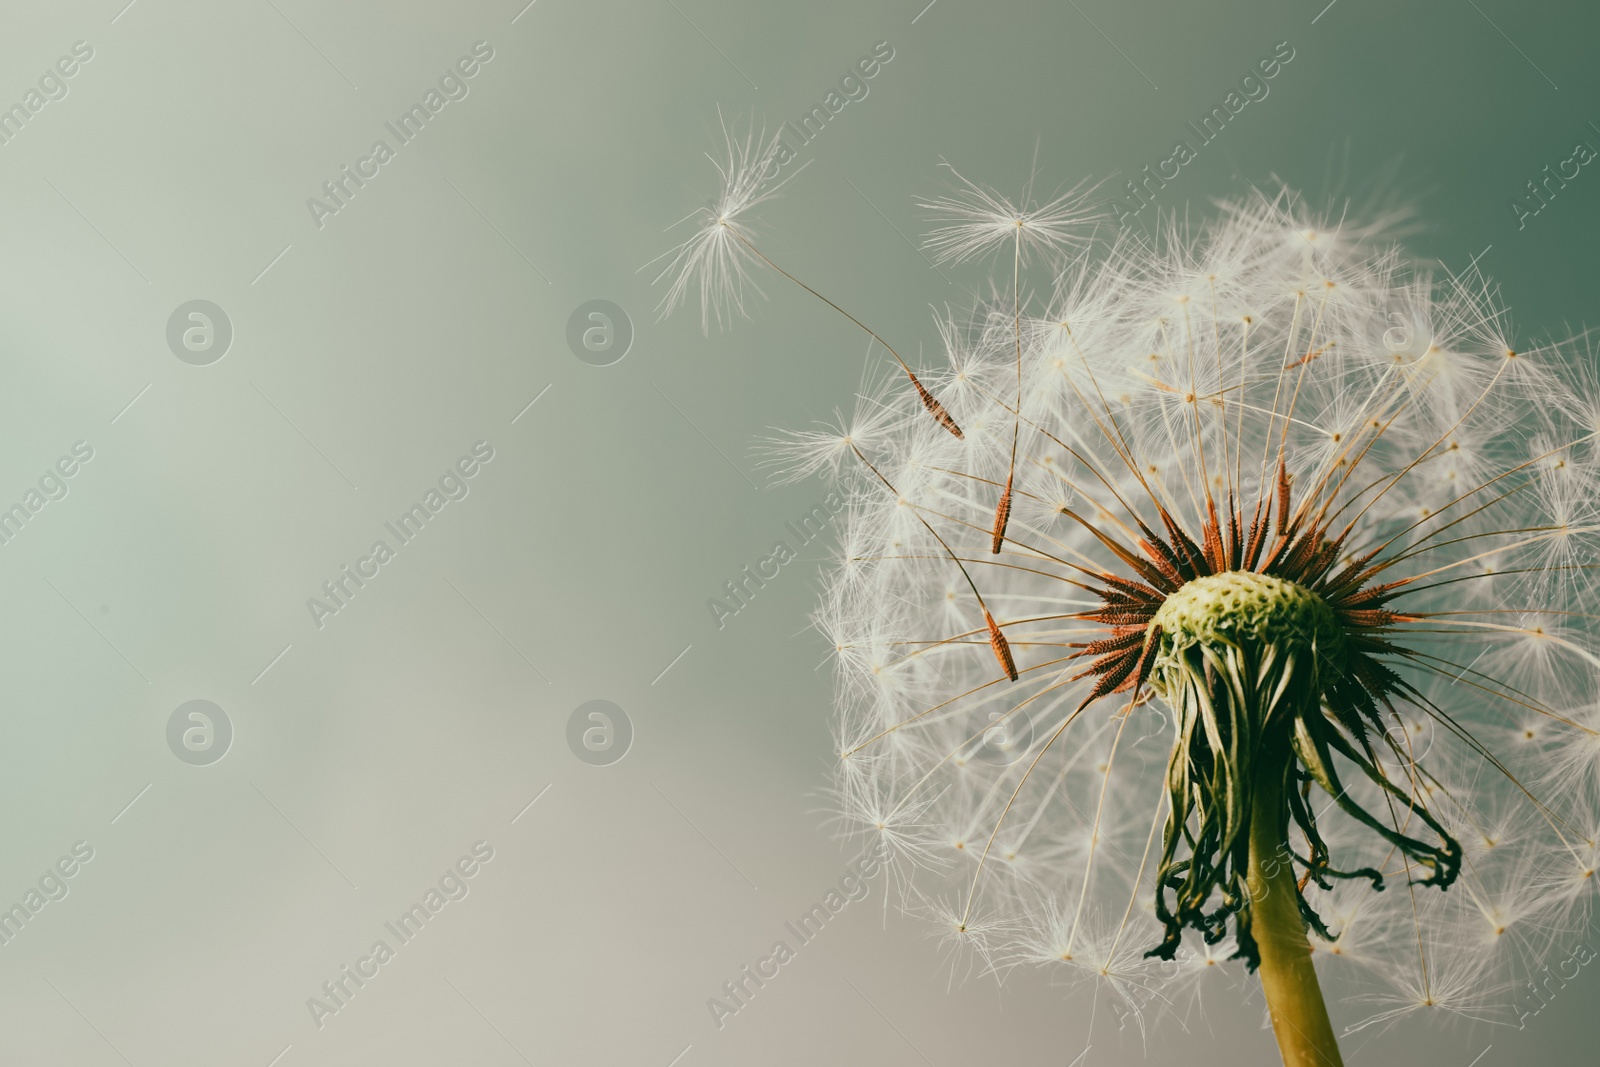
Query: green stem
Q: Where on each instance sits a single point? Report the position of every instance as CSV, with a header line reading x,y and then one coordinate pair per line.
x,y
1288,979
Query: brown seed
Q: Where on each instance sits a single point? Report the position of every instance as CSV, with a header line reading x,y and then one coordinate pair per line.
x,y
1002,647
935,408
1002,515
1211,545
1283,498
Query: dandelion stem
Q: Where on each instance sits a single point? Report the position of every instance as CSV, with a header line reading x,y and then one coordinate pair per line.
x,y
1288,979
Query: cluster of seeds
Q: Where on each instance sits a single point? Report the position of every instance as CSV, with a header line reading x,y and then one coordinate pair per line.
x,y
1192,514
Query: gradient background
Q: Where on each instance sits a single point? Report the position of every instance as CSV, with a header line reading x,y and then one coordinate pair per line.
x,y
425,317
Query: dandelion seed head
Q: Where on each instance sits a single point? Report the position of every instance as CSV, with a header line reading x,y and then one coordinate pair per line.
x,y
1272,409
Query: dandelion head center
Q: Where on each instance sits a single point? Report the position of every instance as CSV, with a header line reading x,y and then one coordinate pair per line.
x,y
1245,608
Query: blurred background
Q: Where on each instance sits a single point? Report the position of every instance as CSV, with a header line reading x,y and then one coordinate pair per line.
x,y
247,852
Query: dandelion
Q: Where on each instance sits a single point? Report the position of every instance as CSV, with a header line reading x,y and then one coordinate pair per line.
x,y
1277,648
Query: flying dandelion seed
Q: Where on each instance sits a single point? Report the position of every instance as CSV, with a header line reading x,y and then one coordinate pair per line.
x,y
1283,551
718,257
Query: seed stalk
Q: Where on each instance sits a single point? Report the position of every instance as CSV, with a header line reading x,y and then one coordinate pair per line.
x,y
1288,979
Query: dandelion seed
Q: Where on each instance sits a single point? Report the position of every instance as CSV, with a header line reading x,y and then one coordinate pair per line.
x,y
1002,517
718,257
1001,647
974,221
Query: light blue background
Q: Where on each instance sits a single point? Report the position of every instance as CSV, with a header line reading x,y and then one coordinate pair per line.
x,y
422,318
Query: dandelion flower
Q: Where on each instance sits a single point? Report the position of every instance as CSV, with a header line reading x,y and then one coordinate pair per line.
x,y
1244,615
1297,544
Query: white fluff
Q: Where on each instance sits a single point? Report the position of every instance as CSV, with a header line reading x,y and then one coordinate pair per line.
x,y
1198,359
